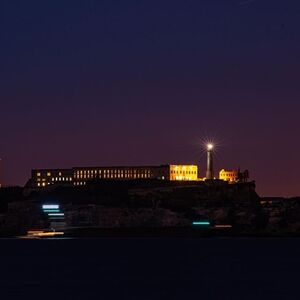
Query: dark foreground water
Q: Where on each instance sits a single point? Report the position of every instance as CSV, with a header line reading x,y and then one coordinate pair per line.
x,y
150,269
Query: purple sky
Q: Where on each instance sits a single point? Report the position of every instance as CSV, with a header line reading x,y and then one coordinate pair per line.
x,y
88,83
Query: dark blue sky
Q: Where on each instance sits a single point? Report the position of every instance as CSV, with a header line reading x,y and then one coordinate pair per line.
x,y
142,82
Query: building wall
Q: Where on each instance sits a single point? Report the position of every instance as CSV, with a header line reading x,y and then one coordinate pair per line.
x,y
80,175
231,176
46,177
183,172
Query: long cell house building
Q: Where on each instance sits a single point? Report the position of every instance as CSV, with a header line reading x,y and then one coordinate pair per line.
x,y
79,176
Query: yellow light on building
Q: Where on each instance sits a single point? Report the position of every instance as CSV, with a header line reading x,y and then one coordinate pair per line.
x,y
231,176
183,172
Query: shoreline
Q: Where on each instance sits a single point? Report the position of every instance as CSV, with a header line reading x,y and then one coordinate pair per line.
x,y
165,233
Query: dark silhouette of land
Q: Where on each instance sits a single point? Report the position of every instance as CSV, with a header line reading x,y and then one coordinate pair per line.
x,y
145,207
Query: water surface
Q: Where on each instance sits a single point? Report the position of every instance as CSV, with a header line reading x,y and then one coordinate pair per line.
x,y
136,268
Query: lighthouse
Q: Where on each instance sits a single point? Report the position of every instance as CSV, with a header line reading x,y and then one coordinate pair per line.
x,y
210,167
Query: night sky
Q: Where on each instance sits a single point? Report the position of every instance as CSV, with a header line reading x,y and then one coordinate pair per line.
x,y
87,83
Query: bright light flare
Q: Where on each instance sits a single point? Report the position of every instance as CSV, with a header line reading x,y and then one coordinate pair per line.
x,y
210,146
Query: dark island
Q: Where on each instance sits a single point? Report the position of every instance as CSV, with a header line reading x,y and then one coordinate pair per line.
x,y
149,208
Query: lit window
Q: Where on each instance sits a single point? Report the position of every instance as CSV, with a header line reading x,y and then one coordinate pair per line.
x,y
48,174
38,174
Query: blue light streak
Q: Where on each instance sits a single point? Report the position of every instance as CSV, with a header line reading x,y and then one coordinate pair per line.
x,y
55,214
51,210
50,206
201,223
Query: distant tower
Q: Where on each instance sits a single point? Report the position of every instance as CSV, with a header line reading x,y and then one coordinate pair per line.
x,y
210,167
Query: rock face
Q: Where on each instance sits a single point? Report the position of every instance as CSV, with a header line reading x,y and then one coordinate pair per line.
x,y
140,204
18,213
283,215
151,204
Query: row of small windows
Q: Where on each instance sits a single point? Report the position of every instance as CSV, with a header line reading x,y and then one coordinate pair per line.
x,y
56,179
183,172
61,179
80,183
229,175
113,175
92,173
115,171
39,174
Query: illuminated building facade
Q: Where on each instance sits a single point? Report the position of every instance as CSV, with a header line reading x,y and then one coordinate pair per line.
x,y
183,172
79,176
45,177
231,176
